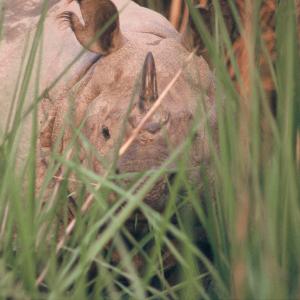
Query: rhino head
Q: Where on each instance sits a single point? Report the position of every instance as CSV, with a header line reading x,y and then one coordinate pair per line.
x,y
136,62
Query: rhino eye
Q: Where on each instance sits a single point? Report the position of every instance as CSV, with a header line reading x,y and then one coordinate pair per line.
x,y
105,132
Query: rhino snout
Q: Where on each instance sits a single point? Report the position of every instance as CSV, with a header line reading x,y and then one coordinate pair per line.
x,y
142,158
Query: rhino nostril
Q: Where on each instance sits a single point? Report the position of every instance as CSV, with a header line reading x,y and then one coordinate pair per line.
x,y
152,127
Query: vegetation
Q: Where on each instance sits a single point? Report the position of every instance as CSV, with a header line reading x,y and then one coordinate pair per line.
x,y
238,239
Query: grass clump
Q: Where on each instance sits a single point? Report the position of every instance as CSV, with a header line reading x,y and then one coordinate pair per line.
x,y
237,239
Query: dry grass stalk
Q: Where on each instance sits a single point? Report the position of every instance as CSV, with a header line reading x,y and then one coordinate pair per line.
x,y
175,12
185,19
245,61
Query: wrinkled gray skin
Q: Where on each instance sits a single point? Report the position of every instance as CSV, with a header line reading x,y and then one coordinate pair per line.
x,y
102,88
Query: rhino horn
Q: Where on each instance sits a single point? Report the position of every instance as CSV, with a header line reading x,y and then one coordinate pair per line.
x,y
148,92
98,16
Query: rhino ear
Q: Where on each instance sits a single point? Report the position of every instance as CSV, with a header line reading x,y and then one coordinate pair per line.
x,y
101,19
148,92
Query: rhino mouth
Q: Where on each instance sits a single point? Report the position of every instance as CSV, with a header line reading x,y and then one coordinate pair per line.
x,y
157,196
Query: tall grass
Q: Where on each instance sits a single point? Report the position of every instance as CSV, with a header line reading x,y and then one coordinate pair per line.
x,y
238,238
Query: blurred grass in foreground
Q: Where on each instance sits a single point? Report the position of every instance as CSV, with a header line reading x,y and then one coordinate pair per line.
x,y
250,214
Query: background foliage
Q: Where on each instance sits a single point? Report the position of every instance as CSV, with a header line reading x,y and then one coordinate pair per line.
x,y
238,239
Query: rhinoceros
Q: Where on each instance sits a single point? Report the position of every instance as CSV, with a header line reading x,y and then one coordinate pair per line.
x,y
139,50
